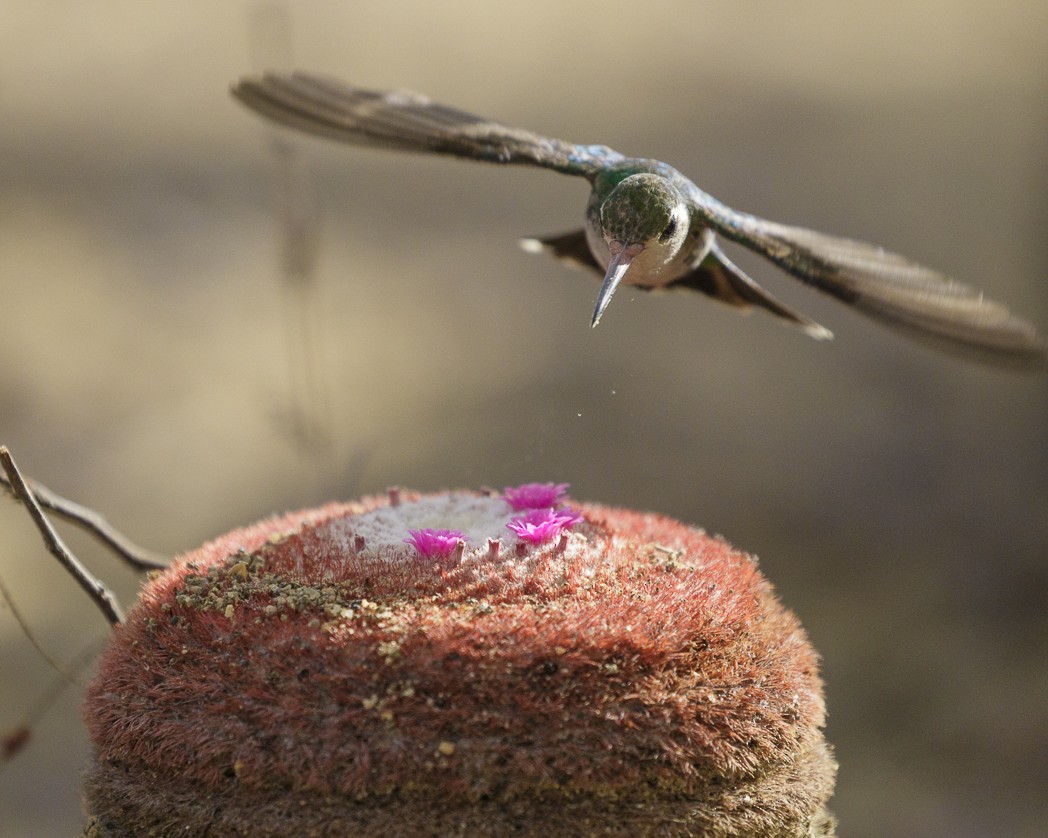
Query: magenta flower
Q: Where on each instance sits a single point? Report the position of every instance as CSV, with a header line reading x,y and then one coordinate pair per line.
x,y
541,525
432,543
534,495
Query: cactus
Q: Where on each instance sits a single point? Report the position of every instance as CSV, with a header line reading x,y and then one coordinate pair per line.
x,y
460,663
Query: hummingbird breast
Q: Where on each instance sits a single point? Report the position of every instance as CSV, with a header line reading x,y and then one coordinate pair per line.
x,y
658,264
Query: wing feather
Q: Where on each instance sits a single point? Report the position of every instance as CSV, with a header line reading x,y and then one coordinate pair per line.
x,y
916,300
407,121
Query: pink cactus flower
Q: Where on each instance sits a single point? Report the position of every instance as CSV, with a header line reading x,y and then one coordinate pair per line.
x,y
541,525
434,543
535,495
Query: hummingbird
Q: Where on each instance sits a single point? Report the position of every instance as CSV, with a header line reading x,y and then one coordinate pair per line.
x,y
649,226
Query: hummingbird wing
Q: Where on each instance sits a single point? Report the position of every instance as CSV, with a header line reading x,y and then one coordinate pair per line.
x,y
570,248
921,302
408,122
720,278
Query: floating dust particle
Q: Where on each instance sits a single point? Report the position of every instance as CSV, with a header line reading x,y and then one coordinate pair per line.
x,y
446,748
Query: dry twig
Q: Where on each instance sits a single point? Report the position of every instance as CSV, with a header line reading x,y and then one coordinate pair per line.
x,y
99,593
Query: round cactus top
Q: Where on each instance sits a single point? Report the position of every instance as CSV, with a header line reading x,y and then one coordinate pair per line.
x,y
412,662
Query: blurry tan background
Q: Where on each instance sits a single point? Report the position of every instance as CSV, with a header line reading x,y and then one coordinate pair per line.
x,y
151,360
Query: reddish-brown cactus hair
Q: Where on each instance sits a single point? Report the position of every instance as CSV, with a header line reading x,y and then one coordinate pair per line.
x,y
316,675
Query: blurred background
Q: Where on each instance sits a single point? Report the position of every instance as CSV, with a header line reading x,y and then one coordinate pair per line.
x,y
160,362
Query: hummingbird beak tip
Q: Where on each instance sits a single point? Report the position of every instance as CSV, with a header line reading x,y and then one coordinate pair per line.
x,y
617,268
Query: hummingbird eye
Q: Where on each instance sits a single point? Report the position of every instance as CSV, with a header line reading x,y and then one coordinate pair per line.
x,y
671,228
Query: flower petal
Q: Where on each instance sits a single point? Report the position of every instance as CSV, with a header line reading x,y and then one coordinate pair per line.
x,y
534,495
432,543
541,525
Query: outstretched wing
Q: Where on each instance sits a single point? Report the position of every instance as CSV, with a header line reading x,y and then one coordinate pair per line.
x,y
886,286
570,248
408,122
720,278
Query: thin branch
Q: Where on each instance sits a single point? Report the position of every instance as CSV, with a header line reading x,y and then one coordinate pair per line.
x,y
99,593
87,519
14,740
5,593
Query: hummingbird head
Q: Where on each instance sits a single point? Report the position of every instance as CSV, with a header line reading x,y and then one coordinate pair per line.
x,y
645,222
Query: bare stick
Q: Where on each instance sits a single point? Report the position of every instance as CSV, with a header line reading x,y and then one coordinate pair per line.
x,y
138,557
15,739
10,600
99,593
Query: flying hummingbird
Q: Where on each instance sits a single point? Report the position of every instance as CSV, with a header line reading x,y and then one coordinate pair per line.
x,y
649,226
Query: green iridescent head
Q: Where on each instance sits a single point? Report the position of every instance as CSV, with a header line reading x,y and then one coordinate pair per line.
x,y
641,209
